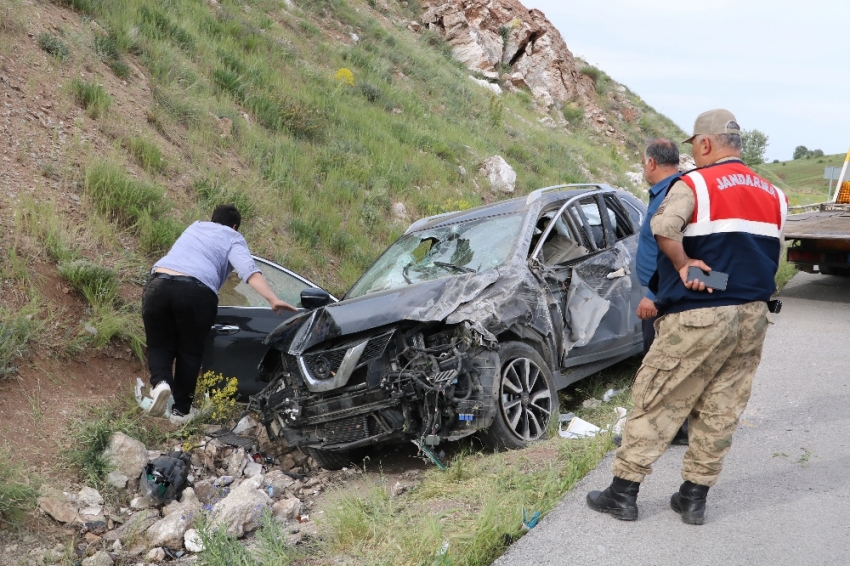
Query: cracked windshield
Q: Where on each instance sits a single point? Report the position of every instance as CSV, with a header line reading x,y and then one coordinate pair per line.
x,y
468,247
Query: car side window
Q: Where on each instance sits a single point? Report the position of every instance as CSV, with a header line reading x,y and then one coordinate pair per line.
x,y
564,242
592,219
236,292
621,222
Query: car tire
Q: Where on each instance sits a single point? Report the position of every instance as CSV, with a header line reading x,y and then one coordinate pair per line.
x,y
331,459
526,398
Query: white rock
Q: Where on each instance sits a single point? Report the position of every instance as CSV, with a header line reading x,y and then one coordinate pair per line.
x,y
100,558
117,546
192,541
156,554
493,87
88,497
236,462
59,508
276,482
169,530
140,503
127,455
399,211
287,509
355,38
245,424
502,177
461,170
116,479
241,510
253,469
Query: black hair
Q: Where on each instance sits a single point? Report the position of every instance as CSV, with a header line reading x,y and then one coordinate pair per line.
x,y
664,152
228,215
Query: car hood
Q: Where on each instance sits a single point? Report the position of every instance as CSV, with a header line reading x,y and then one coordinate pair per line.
x,y
422,302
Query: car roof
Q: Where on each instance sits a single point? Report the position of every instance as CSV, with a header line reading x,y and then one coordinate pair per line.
x,y
538,198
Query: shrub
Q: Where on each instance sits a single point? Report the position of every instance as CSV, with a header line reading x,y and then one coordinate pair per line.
x,y
222,394
146,154
97,283
157,235
54,46
592,72
15,333
18,490
120,68
573,114
344,76
370,92
92,97
106,47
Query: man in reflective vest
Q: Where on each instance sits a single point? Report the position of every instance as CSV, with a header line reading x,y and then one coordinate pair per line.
x,y
724,217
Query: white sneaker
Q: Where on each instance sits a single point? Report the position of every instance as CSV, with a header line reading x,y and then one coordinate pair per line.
x,y
160,395
178,418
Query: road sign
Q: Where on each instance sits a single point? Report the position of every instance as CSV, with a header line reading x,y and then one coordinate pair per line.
x,y
832,173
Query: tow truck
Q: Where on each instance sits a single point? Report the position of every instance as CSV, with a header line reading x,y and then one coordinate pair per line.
x,y
818,236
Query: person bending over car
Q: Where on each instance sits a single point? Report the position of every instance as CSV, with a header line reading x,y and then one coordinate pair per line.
x,y
180,302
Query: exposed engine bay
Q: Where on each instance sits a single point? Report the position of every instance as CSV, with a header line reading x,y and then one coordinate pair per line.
x,y
427,382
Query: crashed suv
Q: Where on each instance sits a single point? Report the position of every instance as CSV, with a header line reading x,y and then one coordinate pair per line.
x,y
469,323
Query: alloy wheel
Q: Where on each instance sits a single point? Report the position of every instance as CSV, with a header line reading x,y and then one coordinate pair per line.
x,y
526,400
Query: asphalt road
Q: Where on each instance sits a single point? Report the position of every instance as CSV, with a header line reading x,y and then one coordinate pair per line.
x,y
784,495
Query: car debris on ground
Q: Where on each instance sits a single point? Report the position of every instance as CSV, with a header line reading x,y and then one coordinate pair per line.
x,y
231,479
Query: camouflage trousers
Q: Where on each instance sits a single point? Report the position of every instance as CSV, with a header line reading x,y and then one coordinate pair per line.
x,y
701,366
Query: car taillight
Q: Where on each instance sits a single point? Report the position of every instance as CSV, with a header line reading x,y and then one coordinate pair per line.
x,y
804,257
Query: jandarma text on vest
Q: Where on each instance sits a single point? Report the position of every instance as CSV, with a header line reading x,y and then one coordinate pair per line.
x,y
727,181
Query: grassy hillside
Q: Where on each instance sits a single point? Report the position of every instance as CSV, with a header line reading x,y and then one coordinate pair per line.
x,y
313,117
802,179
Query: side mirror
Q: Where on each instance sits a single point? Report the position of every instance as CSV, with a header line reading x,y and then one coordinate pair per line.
x,y
314,298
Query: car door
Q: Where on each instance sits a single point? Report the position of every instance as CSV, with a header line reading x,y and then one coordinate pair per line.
x,y
587,268
235,347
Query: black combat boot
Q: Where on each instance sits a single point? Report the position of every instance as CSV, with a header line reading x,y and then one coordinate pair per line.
x,y
689,502
619,500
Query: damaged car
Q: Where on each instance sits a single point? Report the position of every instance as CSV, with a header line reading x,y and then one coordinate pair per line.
x,y
469,323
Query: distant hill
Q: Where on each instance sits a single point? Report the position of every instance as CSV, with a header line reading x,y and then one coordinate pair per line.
x,y
802,179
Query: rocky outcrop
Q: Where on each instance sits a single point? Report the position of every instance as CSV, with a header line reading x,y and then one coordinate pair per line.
x,y
497,37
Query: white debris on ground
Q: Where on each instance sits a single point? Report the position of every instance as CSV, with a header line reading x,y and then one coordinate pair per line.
x,y
232,479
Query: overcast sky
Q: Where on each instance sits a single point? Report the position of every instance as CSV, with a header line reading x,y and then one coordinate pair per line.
x,y
782,67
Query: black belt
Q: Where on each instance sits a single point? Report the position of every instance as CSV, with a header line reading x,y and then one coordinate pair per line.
x,y
182,278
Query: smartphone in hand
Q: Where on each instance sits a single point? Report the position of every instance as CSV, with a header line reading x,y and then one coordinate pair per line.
x,y
716,280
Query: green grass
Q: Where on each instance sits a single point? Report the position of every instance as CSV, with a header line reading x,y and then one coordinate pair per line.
x,y
17,330
18,490
802,179
316,148
96,283
476,504
40,220
269,548
92,97
122,198
146,153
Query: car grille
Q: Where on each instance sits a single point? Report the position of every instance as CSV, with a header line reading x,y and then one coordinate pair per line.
x,y
332,358
347,430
